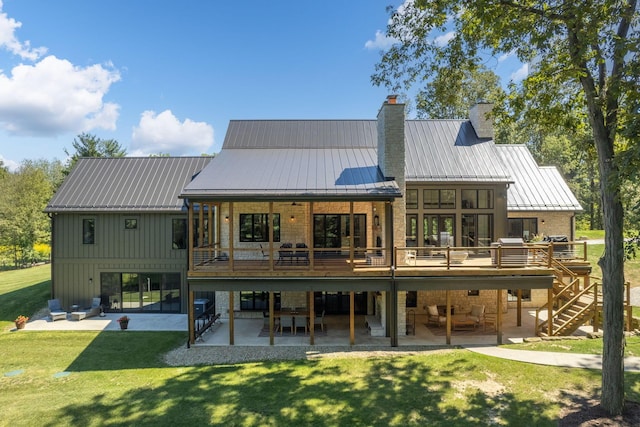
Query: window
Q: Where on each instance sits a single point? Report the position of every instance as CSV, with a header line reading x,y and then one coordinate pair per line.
x,y
88,231
512,295
439,199
133,291
412,199
130,224
255,227
477,229
334,231
412,299
527,228
438,230
477,199
473,293
412,230
179,233
250,300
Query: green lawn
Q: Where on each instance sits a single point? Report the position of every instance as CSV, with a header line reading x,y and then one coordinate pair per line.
x,y
119,378
586,346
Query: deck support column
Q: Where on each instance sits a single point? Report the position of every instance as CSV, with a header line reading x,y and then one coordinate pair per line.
x,y
550,312
393,313
519,314
352,321
312,317
271,318
448,297
499,314
231,332
190,319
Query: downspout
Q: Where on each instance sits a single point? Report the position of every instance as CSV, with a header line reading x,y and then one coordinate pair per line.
x,y
393,300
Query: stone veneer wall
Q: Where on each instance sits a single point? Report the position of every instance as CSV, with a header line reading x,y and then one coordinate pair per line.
x,y
460,300
554,222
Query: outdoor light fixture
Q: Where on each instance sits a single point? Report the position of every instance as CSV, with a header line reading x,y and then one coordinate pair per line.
x,y
543,222
292,219
90,281
226,219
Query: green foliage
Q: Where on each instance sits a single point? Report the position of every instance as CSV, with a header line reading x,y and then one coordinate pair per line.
x,y
87,145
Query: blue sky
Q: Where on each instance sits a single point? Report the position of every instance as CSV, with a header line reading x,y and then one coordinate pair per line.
x,y
162,76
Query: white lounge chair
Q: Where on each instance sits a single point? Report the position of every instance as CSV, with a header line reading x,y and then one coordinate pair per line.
x,y
55,310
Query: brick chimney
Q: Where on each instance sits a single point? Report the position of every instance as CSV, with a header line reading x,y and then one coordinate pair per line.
x,y
481,120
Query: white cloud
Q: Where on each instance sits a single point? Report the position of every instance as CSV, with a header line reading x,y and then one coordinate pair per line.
x,y
381,41
10,164
520,74
444,39
54,96
164,133
506,56
10,42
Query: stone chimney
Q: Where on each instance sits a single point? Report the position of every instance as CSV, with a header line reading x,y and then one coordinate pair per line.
x,y
481,120
391,140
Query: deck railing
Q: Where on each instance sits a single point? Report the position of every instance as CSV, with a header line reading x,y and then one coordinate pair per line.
x,y
216,259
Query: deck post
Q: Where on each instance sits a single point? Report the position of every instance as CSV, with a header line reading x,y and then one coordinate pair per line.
x,y
519,314
231,332
448,297
550,312
596,317
499,315
230,231
312,318
271,319
352,321
192,332
393,313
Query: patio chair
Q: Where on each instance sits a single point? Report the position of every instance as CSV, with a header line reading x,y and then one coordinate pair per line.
x,y
55,310
433,316
319,320
286,322
94,309
300,322
285,252
477,314
304,253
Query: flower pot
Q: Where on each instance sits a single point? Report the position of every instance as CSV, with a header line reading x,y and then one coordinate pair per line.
x,y
20,325
124,325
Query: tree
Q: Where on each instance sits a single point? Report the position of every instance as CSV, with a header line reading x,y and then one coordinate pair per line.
x,y
451,94
87,145
584,58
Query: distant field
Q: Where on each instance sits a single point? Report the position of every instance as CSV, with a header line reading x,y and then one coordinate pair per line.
x,y
590,234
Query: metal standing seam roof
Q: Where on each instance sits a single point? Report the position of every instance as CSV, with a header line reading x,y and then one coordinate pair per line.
x,y
126,184
535,188
328,159
450,151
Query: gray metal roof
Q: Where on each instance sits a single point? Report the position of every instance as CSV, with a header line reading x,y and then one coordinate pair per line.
x,y
269,134
535,188
450,151
126,184
309,173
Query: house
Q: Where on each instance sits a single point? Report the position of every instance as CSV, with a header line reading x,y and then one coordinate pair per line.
x,y
366,218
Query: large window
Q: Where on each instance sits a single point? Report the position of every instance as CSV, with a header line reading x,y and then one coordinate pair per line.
x,y
439,199
477,229
250,300
179,233
477,199
412,230
439,230
412,199
334,230
149,292
527,228
255,227
88,231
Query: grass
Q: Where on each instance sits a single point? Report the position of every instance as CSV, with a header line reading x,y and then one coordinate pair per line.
x,y
120,378
590,234
585,346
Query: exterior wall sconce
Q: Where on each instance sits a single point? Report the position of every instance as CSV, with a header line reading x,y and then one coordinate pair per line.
x,y
542,222
226,219
292,219
90,281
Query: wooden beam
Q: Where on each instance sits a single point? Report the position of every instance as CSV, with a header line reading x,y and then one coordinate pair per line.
x,y
519,313
352,321
549,311
271,318
230,233
231,332
448,297
312,317
310,237
499,316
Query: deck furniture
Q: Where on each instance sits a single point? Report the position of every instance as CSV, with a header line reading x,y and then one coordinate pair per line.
x,y
434,316
302,253
463,323
476,314
55,310
286,321
300,321
319,320
78,315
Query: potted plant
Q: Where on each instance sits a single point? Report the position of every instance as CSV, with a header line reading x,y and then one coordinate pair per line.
x,y
124,322
21,321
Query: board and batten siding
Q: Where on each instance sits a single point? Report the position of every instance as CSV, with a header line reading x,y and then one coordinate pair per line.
x,y
146,249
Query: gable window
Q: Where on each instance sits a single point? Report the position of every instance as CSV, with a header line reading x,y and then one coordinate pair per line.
x,y
88,231
255,227
179,233
130,224
439,199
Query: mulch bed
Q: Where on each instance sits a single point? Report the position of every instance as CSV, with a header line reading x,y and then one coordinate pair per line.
x,y
587,412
